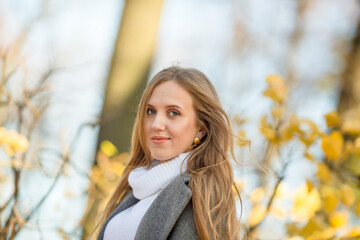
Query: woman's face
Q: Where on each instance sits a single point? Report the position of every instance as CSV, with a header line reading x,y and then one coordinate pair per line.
x,y
170,124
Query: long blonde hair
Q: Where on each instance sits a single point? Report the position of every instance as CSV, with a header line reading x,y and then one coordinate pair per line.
x,y
211,172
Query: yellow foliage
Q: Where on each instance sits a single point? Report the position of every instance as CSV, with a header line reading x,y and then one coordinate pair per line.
x,y
257,195
357,142
9,150
277,89
278,212
328,233
305,204
117,168
354,232
285,134
294,124
308,137
316,226
358,208
309,156
349,149
330,198
267,130
277,112
347,195
332,145
309,185
338,219
323,172
257,215
332,119
13,141
108,148
242,140
353,164
239,185
106,174
351,122
281,191
238,120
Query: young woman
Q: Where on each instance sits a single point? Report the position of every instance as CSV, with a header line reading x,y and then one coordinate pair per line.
x,y
179,181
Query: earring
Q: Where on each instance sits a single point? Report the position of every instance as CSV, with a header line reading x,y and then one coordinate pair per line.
x,y
197,141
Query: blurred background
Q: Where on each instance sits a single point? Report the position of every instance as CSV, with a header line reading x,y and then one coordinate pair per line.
x,y
287,72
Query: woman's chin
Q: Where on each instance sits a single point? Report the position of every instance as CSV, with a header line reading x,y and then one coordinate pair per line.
x,y
162,158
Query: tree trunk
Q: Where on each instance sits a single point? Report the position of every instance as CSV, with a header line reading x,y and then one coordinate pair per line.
x,y
350,89
133,52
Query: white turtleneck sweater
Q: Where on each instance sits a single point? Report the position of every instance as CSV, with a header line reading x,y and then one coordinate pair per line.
x,y
146,185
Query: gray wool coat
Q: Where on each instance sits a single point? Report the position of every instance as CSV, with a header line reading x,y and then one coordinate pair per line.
x,y
170,216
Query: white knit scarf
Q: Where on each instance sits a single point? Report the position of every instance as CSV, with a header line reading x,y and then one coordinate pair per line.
x,y
146,182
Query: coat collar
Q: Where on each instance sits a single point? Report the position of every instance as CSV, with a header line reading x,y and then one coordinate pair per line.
x,y
163,213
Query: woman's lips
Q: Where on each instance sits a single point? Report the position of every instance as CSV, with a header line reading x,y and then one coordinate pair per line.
x,y
159,140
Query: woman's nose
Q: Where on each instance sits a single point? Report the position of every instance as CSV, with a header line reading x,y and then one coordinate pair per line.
x,y
159,123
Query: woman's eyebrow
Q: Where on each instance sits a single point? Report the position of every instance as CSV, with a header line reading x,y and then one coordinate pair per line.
x,y
173,106
167,106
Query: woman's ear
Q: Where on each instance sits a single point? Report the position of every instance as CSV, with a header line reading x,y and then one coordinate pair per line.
x,y
201,133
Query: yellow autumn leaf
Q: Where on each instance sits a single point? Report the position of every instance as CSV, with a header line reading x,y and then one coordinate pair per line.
x,y
358,208
277,112
96,175
309,185
9,150
267,130
279,212
311,133
13,141
122,157
241,139
314,226
282,191
305,204
338,219
309,156
353,164
108,148
239,120
349,149
328,233
257,195
239,183
330,197
285,133
351,122
21,144
332,145
347,195
257,215
117,168
332,119
357,142
323,172
354,232
277,89
294,124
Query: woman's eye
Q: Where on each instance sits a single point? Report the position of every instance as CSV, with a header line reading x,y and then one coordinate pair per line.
x,y
150,111
174,113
